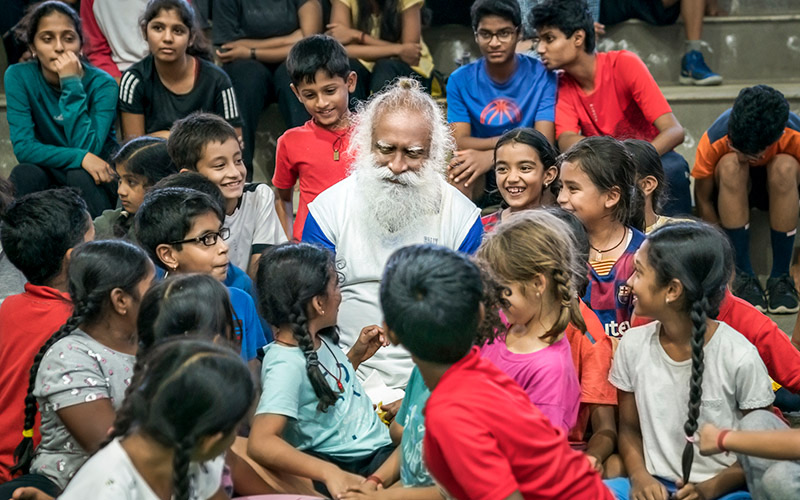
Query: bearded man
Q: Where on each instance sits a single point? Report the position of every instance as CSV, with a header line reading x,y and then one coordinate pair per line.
x,y
396,195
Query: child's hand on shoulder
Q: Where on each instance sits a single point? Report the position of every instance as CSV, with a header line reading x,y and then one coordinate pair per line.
x,y
339,482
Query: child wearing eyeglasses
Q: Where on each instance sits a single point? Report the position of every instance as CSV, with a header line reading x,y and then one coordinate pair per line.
x,y
207,144
500,91
182,231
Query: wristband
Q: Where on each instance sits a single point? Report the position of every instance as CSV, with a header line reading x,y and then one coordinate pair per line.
x,y
362,37
252,53
721,439
375,479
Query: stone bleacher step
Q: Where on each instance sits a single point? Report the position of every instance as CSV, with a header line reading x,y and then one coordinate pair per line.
x,y
742,48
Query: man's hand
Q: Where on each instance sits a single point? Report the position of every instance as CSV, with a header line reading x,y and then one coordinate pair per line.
x,y
468,165
97,167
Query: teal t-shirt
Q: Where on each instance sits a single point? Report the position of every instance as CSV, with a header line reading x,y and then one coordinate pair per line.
x,y
348,429
412,469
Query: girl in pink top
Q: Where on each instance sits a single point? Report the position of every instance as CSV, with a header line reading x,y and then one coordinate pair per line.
x,y
532,255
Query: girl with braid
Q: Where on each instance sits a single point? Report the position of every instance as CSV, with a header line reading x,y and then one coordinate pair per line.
x,y
533,256
80,374
165,445
684,359
314,419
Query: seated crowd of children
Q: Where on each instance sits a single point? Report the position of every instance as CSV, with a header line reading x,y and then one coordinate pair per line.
x,y
176,338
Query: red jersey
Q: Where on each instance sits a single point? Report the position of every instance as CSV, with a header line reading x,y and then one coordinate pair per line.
x,y
624,104
484,440
27,320
774,347
317,157
592,353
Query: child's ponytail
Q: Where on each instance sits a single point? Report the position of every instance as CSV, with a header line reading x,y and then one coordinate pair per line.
x,y
289,277
96,268
698,256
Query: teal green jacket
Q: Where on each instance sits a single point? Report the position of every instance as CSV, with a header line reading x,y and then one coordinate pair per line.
x,y
55,128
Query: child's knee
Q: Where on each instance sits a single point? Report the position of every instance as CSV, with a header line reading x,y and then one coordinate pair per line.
x,y
782,481
783,172
731,173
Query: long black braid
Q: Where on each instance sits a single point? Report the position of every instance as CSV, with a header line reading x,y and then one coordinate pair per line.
x,y
696,255
289,277
96,268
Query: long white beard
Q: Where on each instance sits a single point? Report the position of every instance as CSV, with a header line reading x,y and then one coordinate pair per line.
x,y
392,208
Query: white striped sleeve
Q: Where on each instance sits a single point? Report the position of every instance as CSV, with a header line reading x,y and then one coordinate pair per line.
x,y
127,89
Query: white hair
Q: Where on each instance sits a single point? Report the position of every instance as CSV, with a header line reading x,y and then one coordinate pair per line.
x,y
403,94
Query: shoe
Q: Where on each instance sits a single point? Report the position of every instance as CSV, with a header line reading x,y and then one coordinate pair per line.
x,y
746,287
782,295
694,70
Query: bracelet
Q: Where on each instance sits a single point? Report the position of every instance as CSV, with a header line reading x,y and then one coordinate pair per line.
x,y
253,53
721,439
375,479
362,37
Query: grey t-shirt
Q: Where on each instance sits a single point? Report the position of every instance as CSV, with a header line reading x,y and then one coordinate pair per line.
x,y
77,369
235,19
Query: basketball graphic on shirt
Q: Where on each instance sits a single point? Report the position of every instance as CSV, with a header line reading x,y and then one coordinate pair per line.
x,y
501,111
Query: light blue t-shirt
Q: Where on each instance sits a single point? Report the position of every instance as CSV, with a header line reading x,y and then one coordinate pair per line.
x,y
348,429
493,108
413,472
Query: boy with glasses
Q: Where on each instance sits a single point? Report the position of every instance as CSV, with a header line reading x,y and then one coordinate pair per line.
x,y
500,91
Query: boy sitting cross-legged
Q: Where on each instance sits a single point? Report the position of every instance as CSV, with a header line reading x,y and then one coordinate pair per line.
x,y
315,153
205,143
182,230
483,437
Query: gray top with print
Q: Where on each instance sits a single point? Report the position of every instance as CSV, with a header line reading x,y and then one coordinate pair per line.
x,y
77,369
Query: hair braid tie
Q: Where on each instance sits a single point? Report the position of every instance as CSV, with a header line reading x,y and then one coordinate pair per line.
x,y
698,316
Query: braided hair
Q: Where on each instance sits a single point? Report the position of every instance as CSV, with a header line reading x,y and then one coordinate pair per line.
x,y
289,277
95,270
156,405
693,253
534,243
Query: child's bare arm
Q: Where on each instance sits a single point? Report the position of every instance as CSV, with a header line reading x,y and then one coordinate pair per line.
x,y
89,423
604,438
285,209
777,445
643,485
726,481
267,447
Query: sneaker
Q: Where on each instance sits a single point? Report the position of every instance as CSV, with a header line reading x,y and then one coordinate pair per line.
x,y
695,72
747,287
782,295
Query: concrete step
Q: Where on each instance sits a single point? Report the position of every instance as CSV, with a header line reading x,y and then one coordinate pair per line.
x,y
698,107
742,48
759,7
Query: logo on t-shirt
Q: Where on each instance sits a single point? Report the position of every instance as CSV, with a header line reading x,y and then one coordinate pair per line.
x,y
501,111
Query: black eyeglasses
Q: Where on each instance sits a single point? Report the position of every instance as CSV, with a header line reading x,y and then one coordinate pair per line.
x,y
502,35
208,239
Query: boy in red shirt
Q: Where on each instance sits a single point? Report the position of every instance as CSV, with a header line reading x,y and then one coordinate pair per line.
x,y
316,152
483,438
38,233
607,93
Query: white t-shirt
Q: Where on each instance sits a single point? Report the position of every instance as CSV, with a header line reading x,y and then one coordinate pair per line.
x,y
110,475
734,379
254,225
360,258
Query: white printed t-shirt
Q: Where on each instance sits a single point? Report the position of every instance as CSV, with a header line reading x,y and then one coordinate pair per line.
x,y
360,258
110,475
254,225
734,379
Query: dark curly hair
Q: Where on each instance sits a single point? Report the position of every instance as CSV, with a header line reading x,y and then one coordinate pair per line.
x,y
757,119
568,16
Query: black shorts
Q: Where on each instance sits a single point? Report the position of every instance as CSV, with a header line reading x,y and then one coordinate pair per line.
x,y
650,11
757,195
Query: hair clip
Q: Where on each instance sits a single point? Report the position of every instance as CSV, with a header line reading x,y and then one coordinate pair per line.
x,y
689,439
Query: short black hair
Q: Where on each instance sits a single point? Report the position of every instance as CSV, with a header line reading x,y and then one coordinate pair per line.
x,y
189,136
507,9
568,16
38,229
317,52
168,214
431,298
758,118
193,180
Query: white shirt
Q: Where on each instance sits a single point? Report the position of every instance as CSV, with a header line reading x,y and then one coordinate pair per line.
x,y
360,258
110,475
119,22
734,379
254,225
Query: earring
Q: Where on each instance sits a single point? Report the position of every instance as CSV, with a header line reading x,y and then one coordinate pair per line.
x,y
174,267
667,301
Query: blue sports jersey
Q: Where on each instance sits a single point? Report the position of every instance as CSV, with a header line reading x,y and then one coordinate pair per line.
x,y
493,108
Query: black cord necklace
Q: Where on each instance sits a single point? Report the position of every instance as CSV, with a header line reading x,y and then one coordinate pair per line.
x,y
338,366
601,252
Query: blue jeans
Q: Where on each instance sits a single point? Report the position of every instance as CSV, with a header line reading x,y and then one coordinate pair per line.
x,y
621,488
